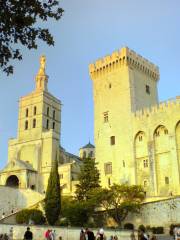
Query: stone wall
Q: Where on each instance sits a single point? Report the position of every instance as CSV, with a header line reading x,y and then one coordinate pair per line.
x,y
15,199
65,233
158,213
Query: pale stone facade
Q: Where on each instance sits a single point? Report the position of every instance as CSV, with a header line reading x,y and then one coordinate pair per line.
x,y
37,145
137,139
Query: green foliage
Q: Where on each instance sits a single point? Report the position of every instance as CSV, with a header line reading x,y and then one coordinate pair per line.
x,y
129,226
119,200
22,216
76,213
26,215
88,179
52,204
20,26
142,228
157,230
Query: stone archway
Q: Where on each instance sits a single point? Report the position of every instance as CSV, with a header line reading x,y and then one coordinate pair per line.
x,y
12,181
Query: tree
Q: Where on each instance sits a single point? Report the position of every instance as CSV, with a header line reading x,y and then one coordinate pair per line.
x,y
20,26
53,200
88,179
77,213
119,200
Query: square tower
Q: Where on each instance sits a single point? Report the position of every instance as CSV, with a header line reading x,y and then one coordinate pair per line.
x,y
122,84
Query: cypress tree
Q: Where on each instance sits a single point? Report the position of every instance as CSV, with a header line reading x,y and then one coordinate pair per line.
x,y
53,198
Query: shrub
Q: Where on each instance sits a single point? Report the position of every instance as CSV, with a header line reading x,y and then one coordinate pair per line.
x,y
129,226
37,216
24,216
157,230
142,228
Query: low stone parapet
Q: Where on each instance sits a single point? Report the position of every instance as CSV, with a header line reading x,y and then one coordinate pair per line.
x,y
64,232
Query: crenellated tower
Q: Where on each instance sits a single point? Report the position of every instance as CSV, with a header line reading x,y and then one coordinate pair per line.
x,y
122,84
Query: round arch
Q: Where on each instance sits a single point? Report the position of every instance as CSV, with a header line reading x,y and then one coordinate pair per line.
x,y
159,130
12,181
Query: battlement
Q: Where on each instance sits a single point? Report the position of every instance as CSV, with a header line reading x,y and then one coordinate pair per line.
x,y
162,106
125,56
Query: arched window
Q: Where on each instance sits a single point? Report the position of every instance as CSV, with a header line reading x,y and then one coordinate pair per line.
x,y
53,126
54,114
26,125
27,112
34,123
35,110
47,124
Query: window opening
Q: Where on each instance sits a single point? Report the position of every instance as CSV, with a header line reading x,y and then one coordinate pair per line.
x,y
35,109
47,124
147,89
34,123
145,162
26,125
27,112
106,117
112,140
108,168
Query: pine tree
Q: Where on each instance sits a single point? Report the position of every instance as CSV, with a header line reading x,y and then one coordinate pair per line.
x,y
53,198
88,179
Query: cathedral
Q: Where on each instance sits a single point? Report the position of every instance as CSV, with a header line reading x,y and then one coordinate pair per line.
x,y
137,138
37,145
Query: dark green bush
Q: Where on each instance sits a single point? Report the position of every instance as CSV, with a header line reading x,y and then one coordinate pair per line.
x,y
129,226
24,216
157,230
142,228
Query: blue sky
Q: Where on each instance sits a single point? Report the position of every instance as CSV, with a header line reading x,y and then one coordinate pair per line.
x,y
89,30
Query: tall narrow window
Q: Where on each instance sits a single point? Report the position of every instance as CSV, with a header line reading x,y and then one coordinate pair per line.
x,y
166,180
35,110
27,112
145,163
34,123
112,140
147,89
47,111
47,124
106,117
53,126
54,114
26,125
140,138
